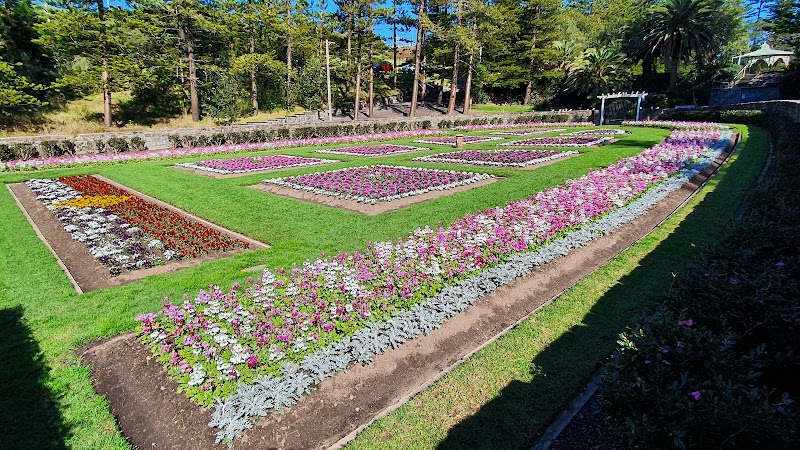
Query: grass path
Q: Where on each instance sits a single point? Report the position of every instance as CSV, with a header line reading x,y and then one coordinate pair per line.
x,y
46,396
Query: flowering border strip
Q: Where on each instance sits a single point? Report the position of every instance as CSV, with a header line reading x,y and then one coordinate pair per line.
x,y
370,200
523,125
556,142
110,158
451,140
676,125
233,414
527,132
301,162
547,156
350,151
597,132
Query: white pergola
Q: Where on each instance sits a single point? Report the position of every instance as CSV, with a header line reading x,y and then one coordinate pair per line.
x,y
639,95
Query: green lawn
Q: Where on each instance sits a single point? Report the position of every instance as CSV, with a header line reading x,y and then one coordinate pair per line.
x,y
501,109
46,396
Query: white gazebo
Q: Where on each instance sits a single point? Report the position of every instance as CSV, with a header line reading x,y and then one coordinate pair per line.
x,y
639,95
767,54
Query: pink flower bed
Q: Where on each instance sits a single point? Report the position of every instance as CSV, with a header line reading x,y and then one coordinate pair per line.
x,y
527,132
370,184
560,141
504,126
108,158
372,150
598,132
221,337
675,125
254,163
510,158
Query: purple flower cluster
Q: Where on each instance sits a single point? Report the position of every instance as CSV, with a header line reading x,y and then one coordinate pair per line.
x,y
220,337
451,140
371,184
560,141
254,163
598,132
510,158
78,160
527,132
372,150
675,125
503,126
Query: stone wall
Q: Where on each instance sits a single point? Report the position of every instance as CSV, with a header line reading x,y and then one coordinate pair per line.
x,y
159,139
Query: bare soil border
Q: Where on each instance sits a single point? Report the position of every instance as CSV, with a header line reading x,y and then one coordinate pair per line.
x,y
83,270
363,208
152,413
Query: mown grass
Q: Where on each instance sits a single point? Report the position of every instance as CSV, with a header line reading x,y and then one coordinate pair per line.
x,y
506,394
48,321
501,109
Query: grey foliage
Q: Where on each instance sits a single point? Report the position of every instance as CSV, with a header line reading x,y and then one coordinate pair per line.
x,y
232,415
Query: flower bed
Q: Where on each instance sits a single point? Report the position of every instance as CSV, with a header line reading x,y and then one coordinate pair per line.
x,y
598,132
527,132
509,158
262,347
108,158
561,141
121,230
451,140
504,126
372,150
254,163
675,125
371,184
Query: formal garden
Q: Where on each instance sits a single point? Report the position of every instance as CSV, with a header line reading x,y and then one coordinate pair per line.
x,y
296,295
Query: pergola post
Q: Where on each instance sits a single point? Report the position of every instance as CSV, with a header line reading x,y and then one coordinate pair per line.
x,y
638,107
602,109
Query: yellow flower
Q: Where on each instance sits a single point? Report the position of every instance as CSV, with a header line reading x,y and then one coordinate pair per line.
x,y
93,201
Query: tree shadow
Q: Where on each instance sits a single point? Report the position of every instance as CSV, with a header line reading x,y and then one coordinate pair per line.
x,y
29,417
514,418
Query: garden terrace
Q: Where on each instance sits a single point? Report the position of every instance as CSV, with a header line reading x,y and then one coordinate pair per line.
x,y
62,322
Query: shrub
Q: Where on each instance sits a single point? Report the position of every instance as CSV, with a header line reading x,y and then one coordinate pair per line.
x,y
6,154
100,146
67,147
743,116
716,363
24,150
117,145
137,144
175,141
49,149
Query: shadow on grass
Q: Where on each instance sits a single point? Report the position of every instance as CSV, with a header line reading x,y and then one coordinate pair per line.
x,y
513,419
29,417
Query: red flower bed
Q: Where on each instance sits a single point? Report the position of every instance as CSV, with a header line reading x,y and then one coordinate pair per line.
x,y
183,235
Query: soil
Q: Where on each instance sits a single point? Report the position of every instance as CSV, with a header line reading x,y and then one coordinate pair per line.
x,y
590,429
218,175
83,270
153,414
363,208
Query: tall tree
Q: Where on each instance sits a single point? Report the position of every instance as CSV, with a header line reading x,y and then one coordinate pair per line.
x,y
417,57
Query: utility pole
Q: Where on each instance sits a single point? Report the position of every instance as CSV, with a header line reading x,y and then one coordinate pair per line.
x,y
328,70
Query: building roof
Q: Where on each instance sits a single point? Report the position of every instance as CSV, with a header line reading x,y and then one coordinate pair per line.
x,y
766,51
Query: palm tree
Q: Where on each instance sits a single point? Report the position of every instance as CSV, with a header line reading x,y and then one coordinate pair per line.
x,y
597,71
677,29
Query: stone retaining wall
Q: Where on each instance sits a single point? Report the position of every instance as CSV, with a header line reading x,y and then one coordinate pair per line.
x,y
159,139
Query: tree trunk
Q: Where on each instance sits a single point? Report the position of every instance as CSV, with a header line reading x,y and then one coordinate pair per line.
x,y
194,99
288,52
423,75
528,91
417,55
357,103
451,106
253,84
440,95
394,42
371,78
468,88
673,73
104,66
